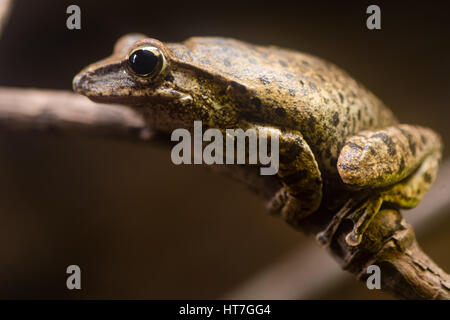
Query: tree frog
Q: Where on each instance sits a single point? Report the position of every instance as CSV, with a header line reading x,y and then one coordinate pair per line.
x,y
334,134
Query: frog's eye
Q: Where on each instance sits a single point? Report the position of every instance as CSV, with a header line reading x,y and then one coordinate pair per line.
x,y
146,61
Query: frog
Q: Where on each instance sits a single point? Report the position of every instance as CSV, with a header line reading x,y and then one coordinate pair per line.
x,y
334,134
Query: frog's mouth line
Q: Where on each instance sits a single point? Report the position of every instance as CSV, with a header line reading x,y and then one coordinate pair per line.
x,y
143,97
99,89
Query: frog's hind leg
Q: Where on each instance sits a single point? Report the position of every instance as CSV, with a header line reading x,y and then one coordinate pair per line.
x,y
397,165
405,195
379,159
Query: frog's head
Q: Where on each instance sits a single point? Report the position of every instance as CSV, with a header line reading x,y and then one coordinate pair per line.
x,y
144,73
133,72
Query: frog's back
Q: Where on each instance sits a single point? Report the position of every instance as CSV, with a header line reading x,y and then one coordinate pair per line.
x,y
296,90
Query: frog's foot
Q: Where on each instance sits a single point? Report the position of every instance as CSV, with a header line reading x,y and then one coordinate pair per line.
x,y
324,238
362,218
405,194
293,208
352,208
397,165
278,201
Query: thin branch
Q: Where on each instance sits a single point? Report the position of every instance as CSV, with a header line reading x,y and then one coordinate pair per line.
x,y
68,113
389,242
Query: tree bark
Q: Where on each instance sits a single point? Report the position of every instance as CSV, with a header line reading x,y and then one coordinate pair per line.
x,y
67,113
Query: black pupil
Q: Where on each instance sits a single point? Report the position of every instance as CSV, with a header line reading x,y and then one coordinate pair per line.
x,y
143,62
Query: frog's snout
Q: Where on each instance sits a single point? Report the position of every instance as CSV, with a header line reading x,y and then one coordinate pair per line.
x,y
79,83
99,84
87,84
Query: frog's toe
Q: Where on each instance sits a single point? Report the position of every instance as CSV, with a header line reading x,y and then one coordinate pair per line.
x,y
353,239
323,239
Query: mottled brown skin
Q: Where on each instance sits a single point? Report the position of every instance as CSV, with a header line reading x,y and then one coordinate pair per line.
x,y
333,132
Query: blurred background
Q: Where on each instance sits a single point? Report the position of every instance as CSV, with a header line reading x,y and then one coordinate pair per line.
x,y
141,227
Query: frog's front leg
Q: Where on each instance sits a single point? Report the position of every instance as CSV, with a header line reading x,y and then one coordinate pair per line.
x,y
396,165
299,173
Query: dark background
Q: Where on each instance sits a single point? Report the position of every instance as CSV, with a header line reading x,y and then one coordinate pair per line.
x,y
141,227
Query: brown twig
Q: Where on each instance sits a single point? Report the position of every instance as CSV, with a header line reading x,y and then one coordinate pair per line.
x,y
408,272
68,113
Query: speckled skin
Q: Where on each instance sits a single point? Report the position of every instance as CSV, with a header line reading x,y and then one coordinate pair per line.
x,y
321,113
